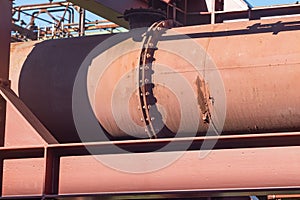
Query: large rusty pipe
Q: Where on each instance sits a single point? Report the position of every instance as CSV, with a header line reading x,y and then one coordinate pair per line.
x,y
258,62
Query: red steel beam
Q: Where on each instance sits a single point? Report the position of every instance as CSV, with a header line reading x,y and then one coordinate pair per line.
x,y
5,29
231,171
235,143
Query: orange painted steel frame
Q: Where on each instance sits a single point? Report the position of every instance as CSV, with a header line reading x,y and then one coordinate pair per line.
x,y
259,164
236,171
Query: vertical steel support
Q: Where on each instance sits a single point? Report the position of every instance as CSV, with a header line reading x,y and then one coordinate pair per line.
x,y
213,12
1,175
81,22
5,34
174,12
52,165
185,11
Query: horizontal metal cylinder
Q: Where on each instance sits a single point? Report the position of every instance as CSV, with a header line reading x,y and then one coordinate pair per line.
x,y
243,75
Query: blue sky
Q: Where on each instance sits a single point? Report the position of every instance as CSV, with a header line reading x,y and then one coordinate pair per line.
x,y
269,2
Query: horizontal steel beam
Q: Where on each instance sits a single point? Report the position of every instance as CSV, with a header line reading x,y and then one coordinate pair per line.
x,y
230,150
150,145
219,195
257,13
21,153
239,172
180,144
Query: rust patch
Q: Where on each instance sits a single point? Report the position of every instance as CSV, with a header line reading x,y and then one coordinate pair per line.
x,y
202,99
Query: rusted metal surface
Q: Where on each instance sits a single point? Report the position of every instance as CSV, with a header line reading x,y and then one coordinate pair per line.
x,y
249,66
252,78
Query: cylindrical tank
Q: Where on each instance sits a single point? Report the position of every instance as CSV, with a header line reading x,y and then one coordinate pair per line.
x,y
252,68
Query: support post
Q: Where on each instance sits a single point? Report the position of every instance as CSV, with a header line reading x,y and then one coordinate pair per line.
x,y
213,12
5,34
52,165
81,22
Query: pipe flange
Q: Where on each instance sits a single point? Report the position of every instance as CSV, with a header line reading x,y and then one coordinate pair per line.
x,y
141,17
